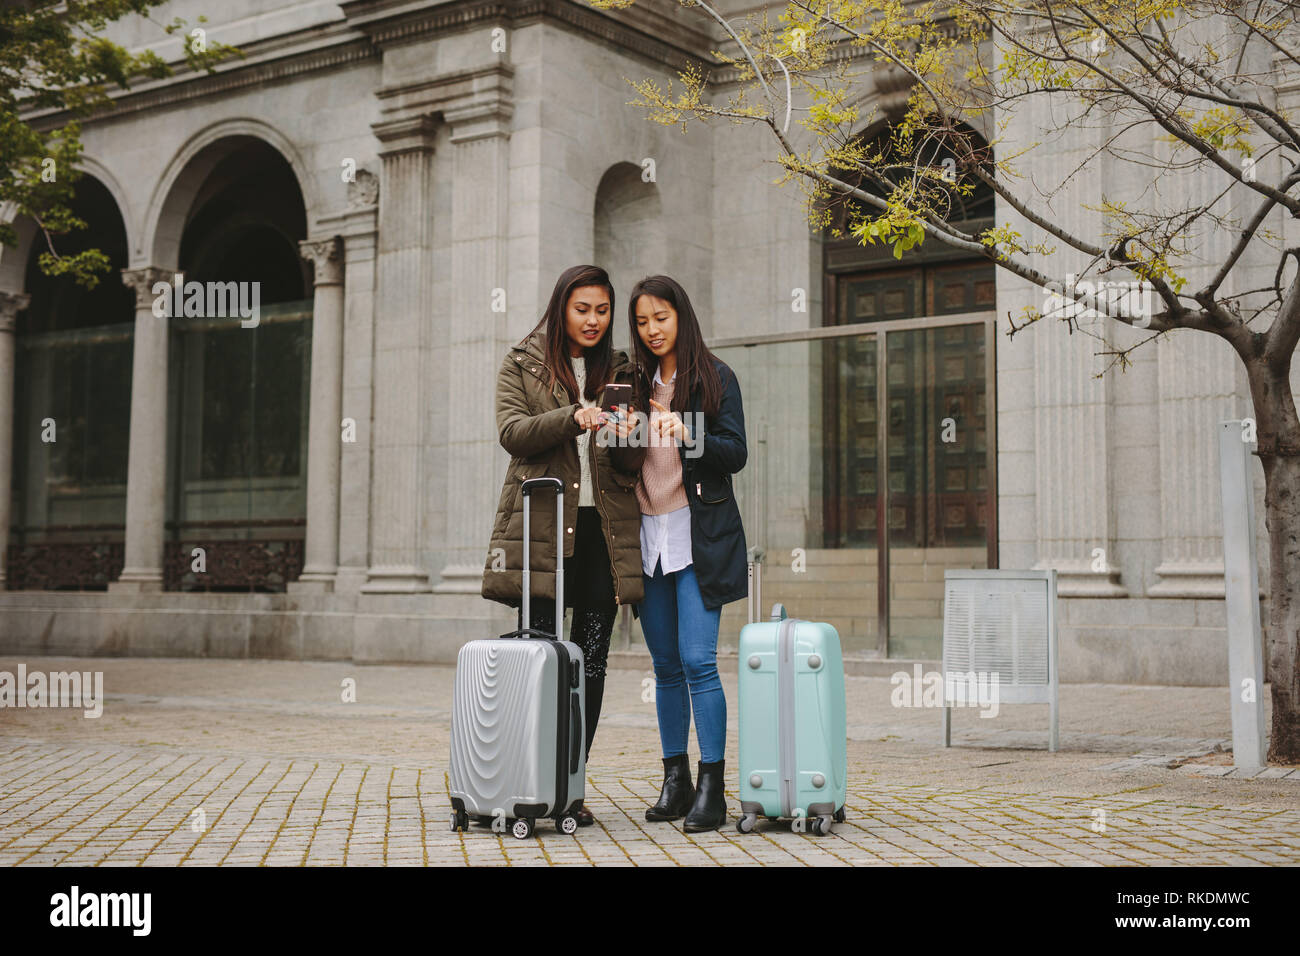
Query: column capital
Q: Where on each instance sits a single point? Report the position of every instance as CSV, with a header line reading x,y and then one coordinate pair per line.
x,y
475,102
11,303
480,120
327,256
143,280
405,135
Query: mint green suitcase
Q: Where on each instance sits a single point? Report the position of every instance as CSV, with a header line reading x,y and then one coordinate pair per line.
x,y
793,725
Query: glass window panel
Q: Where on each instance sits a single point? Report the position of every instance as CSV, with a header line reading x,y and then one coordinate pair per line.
x,y
938,477
80,379
72,398
808,493
242,433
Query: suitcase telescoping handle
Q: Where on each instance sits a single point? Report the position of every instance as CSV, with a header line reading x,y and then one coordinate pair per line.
x,y
529,486
754,599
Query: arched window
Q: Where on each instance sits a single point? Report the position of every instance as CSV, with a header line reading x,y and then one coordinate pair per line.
x,y
631,239
72,411
868,283
240,391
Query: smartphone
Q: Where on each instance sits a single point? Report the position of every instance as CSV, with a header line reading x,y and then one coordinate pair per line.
x,y
615,395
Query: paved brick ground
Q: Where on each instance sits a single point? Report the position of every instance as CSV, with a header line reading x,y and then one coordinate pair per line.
x,y
285,773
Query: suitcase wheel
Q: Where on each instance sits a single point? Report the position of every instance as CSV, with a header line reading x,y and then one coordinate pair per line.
x,y
459,820
747,823
522,828
569,824
839,815
820,826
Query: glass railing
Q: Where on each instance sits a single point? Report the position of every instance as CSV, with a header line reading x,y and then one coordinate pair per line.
x,y
849,535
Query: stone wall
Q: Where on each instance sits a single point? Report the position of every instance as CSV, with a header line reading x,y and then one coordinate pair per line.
x,y
497,171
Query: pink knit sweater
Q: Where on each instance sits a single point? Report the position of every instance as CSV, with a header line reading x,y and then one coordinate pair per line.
x,y
660,489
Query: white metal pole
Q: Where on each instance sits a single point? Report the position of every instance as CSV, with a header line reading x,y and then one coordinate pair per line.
x,y
1241,594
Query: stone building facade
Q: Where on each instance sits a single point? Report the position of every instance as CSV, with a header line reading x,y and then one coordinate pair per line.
x,y
404,181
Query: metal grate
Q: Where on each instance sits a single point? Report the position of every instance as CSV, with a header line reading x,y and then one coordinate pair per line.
x,y
996,626
1001,623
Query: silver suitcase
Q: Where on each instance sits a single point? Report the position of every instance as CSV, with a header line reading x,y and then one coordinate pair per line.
x,y
518,749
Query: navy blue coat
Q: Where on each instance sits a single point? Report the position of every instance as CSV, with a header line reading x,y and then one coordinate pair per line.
x,y
717,536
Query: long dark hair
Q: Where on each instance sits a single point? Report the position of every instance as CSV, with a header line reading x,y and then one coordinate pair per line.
x,y
599,358
696,372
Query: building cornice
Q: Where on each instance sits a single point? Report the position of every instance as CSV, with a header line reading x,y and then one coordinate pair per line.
x,y
391,22
844,51
370,25
670,45
265,62
640,29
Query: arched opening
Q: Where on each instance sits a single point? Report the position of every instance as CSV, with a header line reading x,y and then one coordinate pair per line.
x,y
870,285
239,378
631,238
72,410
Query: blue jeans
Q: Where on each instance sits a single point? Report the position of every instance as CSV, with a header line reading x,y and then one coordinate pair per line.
x,y
682,635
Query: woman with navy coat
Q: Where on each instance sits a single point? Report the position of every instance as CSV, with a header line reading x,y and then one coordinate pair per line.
x,y
692,541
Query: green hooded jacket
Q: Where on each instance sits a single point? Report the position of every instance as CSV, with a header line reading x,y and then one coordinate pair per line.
x,y
536,426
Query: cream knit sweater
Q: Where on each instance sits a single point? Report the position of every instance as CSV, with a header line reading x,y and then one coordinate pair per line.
x,y
586,498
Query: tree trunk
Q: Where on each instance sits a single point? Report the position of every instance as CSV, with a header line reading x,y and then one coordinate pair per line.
x,y
1279,450
1282,509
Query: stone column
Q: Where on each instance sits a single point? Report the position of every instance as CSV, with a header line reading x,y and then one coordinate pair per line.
x,y
1197,391
321,551
1072,408
401,343
480,143
357,227
1071,415
10,305
146,470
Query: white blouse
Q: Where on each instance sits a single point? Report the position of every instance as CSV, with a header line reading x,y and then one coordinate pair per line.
x,y
666,539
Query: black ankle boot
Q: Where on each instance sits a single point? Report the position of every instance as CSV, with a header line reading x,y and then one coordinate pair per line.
x,y
677,794
710,808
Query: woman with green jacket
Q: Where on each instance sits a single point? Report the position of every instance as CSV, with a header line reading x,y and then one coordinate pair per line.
x,y
548,410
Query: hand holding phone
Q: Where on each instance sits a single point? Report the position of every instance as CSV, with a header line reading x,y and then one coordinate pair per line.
x,y
616,403
617,397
